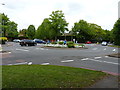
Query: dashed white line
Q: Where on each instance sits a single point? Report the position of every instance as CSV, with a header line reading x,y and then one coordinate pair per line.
x,y
104,48
95,48
18,63
21,49
45,63
103,61
67,61
84,59
97,57
114,50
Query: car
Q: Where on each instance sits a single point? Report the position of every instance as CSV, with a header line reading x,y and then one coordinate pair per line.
x,y
39,41
88,42
27,42
104,43
16,40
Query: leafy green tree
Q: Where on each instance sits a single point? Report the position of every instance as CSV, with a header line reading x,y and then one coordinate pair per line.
x,y
44,30
12,29
97,32
8,28
31,32
116,32
23,33
58,23
82,30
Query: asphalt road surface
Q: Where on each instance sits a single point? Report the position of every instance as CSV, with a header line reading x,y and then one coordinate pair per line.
x,y
95,57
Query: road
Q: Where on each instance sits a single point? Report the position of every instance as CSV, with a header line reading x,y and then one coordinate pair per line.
x,y
95,57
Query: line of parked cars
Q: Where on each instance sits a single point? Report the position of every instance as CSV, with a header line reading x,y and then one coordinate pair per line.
x,y
27,42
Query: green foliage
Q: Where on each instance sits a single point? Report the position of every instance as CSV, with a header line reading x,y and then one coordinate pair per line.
x,y
53,42
61,42
88,31
116,32
3,40
8,28
58,23
23,33
52,27
31,32
70,44
44,31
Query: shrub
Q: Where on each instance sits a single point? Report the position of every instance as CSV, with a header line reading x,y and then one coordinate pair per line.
x,y
61,42
70,44
3,40
53,43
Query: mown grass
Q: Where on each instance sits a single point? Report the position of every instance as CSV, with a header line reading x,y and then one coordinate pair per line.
x,y
48,76
114,46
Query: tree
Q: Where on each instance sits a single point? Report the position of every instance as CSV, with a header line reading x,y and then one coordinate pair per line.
x,y
31,32
116,32
44,30
8,28
23,32
82,30
58,23
12,29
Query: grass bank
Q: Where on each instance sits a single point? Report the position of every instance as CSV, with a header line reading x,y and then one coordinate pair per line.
x,y
48,76
114,46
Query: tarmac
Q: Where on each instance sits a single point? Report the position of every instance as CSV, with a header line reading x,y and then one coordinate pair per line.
x,y
107,82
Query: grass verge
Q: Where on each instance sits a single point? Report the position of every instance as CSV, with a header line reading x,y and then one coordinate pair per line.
x,y
114,46
48,76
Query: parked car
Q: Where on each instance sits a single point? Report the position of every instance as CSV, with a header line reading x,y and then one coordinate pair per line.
x,y
27,42
39,41
104,43
88,42
16,40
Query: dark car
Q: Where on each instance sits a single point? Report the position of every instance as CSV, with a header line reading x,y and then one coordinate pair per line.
x,y
39,41
27,42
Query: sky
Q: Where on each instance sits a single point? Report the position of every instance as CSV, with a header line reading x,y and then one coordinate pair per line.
x,y
32,12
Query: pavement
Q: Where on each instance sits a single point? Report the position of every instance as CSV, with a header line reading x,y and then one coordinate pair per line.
x,y
107,82
94,58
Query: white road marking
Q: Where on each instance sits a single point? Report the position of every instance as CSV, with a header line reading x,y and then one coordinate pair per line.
x,y
84,59
94,48
106,56
45,63
104,61
42,48
37,48
97,57
104,48
21,49
114,50
67,61
18,63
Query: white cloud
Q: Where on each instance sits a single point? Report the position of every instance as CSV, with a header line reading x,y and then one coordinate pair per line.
x,y
26,12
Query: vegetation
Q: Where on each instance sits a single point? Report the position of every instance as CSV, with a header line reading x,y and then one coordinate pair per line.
x,y
8,28
38,76
53,26
3,40
56,25
31,32
116,32
70,44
